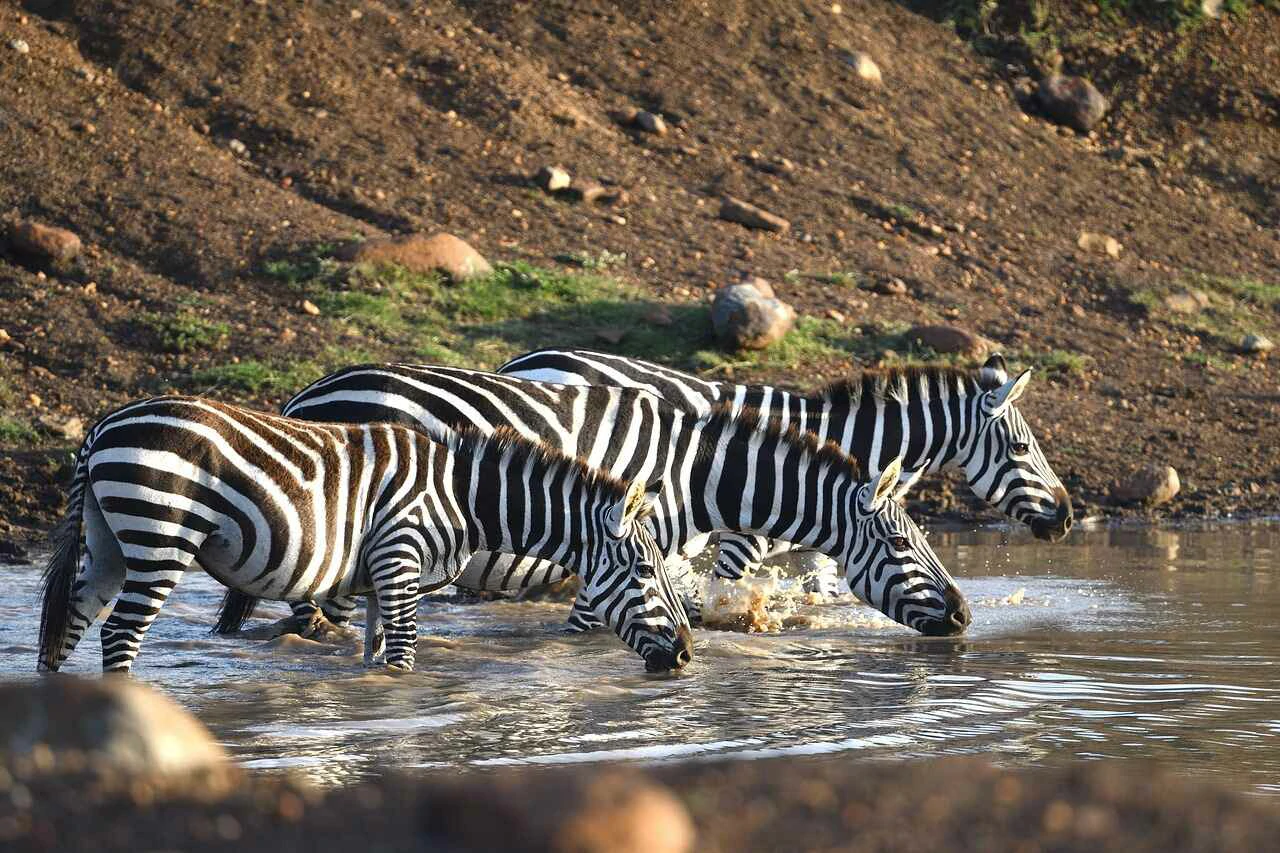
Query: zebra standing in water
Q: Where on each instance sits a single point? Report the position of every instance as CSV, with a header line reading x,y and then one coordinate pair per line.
x,y
291,509
933,418
725,470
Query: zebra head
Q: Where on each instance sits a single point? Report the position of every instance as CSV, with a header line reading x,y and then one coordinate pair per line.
x,y
626,583
1004,463
889,564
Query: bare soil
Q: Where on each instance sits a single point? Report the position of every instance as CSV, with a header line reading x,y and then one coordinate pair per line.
x,y
386,117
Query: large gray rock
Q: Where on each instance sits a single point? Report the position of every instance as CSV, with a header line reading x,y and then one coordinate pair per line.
x,y
748,316
1071,101
1152,484
112,728
424,254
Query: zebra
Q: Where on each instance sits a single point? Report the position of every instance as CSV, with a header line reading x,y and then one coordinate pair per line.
x,y
738,470
283,508
933,418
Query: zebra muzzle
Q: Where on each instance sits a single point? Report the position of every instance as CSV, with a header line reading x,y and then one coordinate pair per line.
x,y
1053,527
676,657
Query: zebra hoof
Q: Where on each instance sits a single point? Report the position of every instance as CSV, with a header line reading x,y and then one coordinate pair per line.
x,y
399,667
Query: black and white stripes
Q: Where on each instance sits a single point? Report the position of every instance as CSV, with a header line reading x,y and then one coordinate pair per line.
x,y
932,418
280,508
734,470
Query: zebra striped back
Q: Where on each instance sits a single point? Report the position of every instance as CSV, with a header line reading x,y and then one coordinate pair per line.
x,y
933,418
282,508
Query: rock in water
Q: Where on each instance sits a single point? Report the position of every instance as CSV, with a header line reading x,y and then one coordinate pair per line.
x,y
419,253
1153,485
44,241
744,213
112,728
1071,101
745,317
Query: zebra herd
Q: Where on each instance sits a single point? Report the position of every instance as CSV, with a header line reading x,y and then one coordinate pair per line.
x,y
389,481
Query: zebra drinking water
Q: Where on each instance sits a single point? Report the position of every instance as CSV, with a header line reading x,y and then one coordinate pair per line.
x,y
287,509
724,470
933,418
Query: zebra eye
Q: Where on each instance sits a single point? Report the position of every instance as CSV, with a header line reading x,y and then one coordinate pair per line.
x,y
1020,447
644,570
899,543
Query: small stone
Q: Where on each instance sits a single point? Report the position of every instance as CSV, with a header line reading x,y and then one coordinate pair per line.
x,y
744,317
1071,101
238,148
1078,311
310,307
552,178
1153,485
1256,345
35,401
650,123
890,287
1211,8
1183,303
567,115
20,46
4,337
948,339
864,66
288,336
744,213
46,241
587,191
71,428
1099,244
87,128
423,254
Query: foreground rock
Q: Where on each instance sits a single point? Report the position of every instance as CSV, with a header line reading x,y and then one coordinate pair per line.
x,y
744,213
748,315
1152,485
46,242
422,254
1256,345
112,729
948,340
1071,101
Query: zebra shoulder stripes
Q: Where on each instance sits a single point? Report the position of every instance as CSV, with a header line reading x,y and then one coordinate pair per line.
x,y
933,418
289,509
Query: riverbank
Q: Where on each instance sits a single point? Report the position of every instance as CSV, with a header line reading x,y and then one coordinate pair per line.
x,y
212,164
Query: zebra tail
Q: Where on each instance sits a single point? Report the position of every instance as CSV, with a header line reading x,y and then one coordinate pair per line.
x,y
60,574
236,607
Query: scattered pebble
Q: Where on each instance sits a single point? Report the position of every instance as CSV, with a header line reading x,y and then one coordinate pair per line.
x,y
20,46
650,122
1071,101
552,178
864,66
1099,244
1256,345
310,307
238,148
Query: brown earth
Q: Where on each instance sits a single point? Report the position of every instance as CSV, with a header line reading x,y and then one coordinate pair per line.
x,y
384,117
790,804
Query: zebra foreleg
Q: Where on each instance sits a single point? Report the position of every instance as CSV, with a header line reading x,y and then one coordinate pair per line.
x,y
395,585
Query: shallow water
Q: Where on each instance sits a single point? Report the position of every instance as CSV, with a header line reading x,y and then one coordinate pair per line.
x,y
1121,642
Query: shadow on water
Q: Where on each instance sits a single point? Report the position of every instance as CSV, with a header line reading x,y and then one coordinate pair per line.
x,y
1123,642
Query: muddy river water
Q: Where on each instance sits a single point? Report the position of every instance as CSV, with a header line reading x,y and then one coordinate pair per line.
x,y
1121,642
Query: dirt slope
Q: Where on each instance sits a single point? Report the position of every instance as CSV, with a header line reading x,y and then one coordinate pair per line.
x,y
372,117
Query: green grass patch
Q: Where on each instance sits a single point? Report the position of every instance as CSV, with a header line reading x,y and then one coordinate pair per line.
x,y
258,377
1235,307
16,433
184,332
1060,362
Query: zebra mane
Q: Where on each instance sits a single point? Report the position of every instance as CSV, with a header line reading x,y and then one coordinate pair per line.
x,y
470,441
749,419
891,383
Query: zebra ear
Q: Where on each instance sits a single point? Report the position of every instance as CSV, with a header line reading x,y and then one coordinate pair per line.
x,y
994,373
622,514
908,479
1008,393
884,485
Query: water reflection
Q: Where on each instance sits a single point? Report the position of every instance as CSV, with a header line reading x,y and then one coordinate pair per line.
x,y
1123,642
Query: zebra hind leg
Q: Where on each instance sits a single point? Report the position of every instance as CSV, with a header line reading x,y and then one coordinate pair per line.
x,y
151,573
100,579
395,584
